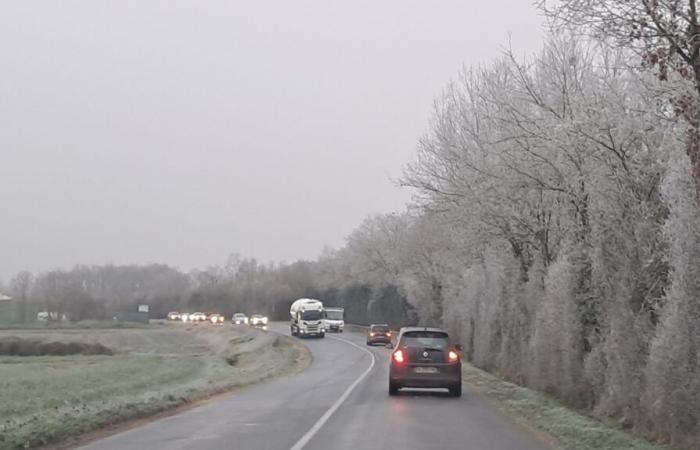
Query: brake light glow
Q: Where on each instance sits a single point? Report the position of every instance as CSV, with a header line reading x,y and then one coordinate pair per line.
x,y
398,356
372,333
388,334
453,356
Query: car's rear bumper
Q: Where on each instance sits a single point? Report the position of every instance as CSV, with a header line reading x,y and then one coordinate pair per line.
x,y
379,340
446,376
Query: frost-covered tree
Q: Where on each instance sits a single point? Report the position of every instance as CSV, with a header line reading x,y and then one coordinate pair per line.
x,y
673,388
664,34
555,346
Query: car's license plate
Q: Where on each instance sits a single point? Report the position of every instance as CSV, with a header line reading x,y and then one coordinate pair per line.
x,y
425,370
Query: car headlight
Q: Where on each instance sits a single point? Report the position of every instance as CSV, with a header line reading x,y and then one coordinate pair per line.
x,y
264,320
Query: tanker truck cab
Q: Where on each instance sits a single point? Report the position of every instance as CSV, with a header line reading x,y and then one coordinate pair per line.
x,y
307,318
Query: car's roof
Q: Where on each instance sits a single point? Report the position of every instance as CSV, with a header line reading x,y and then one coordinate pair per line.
x,y
379,325
257,315
431,329
239,314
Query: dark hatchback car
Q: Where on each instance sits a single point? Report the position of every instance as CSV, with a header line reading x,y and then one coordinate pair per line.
x,y
425,358
378,333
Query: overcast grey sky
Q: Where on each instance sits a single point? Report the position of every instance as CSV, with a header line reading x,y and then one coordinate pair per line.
x,y
182,131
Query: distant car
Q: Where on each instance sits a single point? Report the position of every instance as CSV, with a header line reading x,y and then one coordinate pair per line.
x,y
239,319
184,317
174,315
425,358
216,319
379,333
198,317
258,321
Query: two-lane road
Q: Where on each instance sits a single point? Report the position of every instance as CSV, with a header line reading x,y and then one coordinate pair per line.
x,y
340,402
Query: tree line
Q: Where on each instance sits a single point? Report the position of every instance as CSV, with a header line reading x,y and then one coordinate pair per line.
x,y
101,292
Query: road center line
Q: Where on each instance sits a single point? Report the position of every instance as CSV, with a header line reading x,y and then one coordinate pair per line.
x,y
301,443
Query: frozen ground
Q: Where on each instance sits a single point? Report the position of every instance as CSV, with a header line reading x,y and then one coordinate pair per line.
x,y
46,399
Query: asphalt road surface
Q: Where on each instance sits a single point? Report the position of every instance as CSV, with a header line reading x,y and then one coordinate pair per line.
x,y
341,402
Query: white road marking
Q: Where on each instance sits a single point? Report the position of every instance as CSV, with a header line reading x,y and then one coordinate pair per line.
x,y
327,415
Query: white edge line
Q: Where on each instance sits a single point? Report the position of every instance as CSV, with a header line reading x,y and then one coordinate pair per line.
x,y
301,443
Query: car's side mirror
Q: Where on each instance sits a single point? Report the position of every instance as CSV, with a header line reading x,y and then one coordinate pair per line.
x,y
389,346
458,347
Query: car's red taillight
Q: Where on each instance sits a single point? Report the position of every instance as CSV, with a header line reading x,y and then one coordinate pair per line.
x,y
398,356
453,356
388,335
372,333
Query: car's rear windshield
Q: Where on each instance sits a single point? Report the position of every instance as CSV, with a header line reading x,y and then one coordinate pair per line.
x,y
239,315
380,328
426,339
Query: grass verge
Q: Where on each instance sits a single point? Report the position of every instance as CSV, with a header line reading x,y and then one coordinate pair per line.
x,y
51,399
570,430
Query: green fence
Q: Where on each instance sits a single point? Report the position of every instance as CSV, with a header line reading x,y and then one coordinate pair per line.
x,y
140,317
14,312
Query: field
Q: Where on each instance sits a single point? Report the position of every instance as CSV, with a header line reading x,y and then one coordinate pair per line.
x,y
46,399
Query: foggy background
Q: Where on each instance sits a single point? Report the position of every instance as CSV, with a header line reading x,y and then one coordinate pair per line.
x,y
182,131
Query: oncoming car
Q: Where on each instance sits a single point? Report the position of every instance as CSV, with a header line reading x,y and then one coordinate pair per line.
x,y
216,319
378,333
198,317
258,321
174,315
425,358
239,319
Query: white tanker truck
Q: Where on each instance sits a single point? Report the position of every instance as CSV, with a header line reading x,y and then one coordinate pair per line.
x,y
307,318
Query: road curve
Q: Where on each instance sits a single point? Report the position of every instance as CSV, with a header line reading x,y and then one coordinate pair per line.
x,y
340,402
